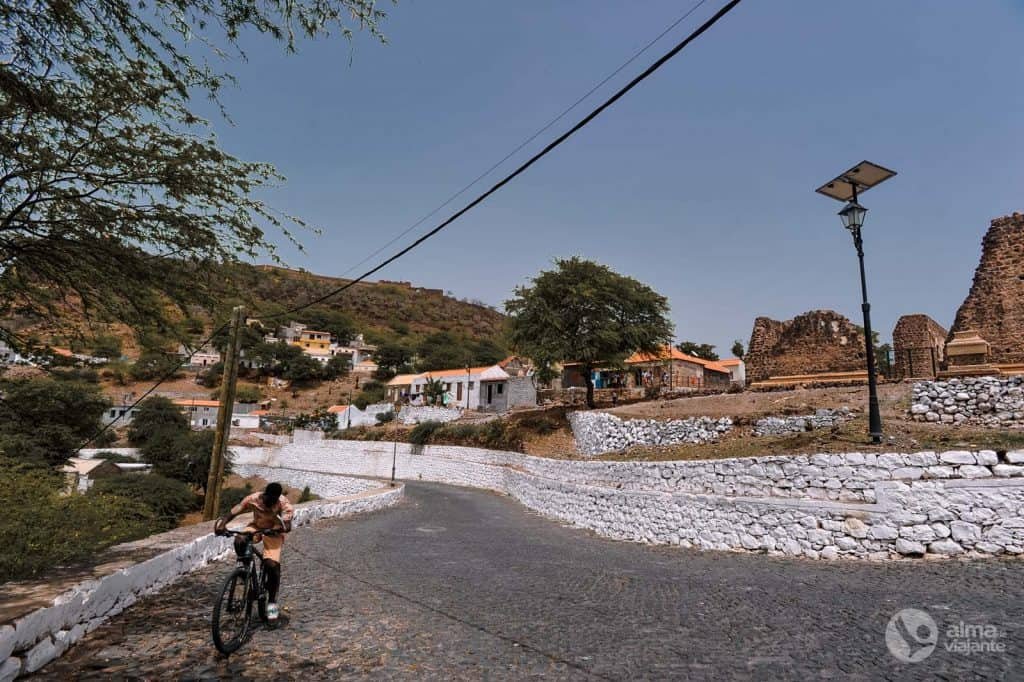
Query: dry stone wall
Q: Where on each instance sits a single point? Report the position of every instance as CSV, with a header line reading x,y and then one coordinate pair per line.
x,y
597,432
813,343
825,506
988,401
821,419
995,305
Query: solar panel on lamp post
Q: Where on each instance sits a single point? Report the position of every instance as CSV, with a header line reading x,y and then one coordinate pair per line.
x,y
846,187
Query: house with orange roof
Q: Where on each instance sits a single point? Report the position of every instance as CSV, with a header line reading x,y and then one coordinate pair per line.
x,y
670,369
488,389
202,414
674,370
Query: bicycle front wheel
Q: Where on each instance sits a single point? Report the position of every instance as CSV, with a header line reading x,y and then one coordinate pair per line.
x,y
232,613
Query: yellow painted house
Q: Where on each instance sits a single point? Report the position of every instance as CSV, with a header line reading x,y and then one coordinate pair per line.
x,y
313,342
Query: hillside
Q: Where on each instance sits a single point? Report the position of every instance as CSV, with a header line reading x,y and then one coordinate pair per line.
x,y
382,311
384,307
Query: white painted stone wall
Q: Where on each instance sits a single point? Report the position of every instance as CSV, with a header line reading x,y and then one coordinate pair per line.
x,y
988,401
598,432
413,414
821,419
853,505
320,484
30,642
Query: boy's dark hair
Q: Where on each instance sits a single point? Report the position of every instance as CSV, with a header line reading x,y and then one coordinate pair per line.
x,y
272,493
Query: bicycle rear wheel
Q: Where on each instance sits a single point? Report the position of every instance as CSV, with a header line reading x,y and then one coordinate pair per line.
x,y
232,613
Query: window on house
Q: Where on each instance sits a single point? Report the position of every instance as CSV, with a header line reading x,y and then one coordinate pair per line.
x,y
501,388
113,413
471,385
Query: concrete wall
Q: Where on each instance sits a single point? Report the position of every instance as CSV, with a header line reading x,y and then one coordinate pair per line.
x,y
854,505
522,392
412,414
32,641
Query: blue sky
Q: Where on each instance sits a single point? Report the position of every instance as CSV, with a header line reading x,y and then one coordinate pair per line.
x,y
700,182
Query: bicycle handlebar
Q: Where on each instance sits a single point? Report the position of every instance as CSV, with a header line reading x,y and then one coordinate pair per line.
x,y
268,533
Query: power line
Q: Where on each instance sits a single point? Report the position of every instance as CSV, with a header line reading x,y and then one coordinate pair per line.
x,y
532,160
533,137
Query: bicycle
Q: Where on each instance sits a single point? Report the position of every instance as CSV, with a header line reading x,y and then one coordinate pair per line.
x,y
246,585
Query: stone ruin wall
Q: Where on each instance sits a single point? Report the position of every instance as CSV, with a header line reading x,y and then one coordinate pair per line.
x,y
995,305
919,344
813,343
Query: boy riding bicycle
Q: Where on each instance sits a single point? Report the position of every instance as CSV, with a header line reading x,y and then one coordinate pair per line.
x,y
270,510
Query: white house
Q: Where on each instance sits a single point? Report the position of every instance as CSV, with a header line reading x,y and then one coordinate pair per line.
x,y
357,348
737,369
474,388
206,356
80,473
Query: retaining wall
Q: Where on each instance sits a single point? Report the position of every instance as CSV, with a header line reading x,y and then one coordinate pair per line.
x,y
33,640
853,505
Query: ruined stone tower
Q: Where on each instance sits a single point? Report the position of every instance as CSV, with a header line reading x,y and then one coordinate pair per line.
x,y
813,343
995,305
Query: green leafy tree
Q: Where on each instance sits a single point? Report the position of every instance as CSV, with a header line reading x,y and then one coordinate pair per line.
x,y
392,359
156,415
487,352
43,421
302,369
338,324
704,351
338,366
738,351
107,346
105,161
183,456
442,350
585,312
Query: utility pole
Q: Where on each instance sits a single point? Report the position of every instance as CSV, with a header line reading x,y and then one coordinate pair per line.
x,y
227,403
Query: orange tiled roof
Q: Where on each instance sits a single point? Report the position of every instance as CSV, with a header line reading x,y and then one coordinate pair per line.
x,y
675,354
454,372
337,409
62,351
190,402
730,362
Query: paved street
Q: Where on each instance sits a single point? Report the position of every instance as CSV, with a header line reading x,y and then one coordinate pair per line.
x,y
456,583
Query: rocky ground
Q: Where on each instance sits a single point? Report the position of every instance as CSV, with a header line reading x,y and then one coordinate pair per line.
x,y
459,584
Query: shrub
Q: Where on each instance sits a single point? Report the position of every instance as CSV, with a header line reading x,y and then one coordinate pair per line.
x,y
43,529
248,394
423,432
373,392
211,376
118,370
46,420
168,499
385,417
306,495
153,365
539,423
115,457
229,497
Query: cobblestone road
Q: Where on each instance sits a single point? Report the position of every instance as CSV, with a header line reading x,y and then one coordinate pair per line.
x,y
463,584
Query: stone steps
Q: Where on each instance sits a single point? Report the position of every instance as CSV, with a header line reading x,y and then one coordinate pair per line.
x,y
860,376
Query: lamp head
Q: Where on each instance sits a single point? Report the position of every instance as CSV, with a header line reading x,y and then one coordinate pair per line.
x,y
852,216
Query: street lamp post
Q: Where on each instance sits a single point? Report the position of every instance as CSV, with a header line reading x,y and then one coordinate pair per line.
x,y
861,178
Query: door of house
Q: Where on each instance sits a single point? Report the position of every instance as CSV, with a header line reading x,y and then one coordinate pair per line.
x,y
490,393
458,392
